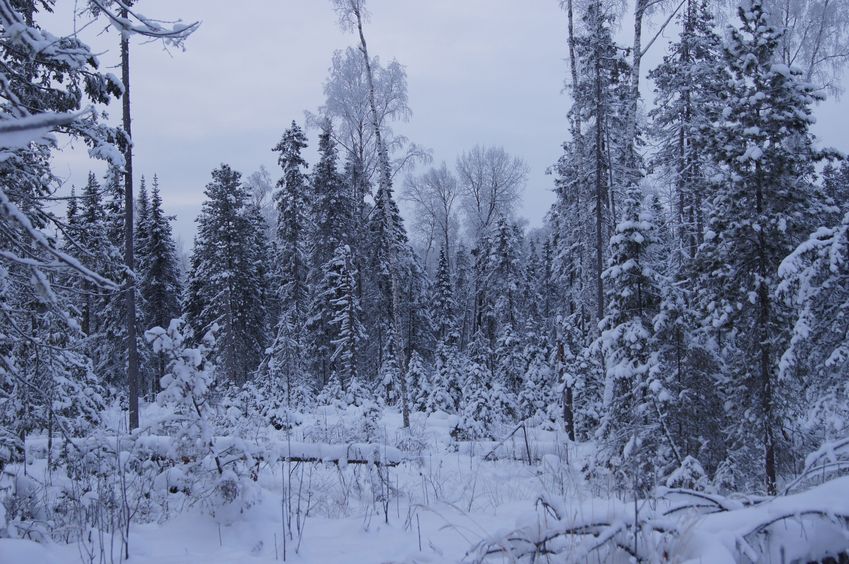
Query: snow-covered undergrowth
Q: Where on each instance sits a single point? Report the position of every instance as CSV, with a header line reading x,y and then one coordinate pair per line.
x,y
303,495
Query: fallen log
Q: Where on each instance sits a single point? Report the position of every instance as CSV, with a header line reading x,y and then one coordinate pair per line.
x,y
162,449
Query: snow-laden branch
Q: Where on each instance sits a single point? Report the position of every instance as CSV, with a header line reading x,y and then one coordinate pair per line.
x,y
18,132
682,525
10,213
173,33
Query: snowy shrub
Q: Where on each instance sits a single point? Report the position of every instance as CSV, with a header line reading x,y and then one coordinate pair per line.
x,y
11,448
220,479
419,385
413,440
444,392
231,496
537,393
690,475
487,407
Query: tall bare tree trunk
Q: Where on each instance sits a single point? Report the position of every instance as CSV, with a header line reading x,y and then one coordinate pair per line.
x,y
129,256
385,182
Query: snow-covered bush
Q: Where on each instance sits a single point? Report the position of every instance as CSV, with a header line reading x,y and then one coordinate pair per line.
x,y
220,479
680,525
487,409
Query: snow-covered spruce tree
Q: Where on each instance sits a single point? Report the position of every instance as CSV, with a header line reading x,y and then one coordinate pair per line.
x,y
497,280
486,405
90,235
141,215
686,365
835,184
287,367
483,315
572,262
536,291
505,262
463,295
599,96
449,373
98,241
389,375
687,85
763,206
389,259
509,361
159,274
389,255
417,315
226,283
629,433
475,415
346,322
47,81
815,281
109,341
572,233
395,286
331,223
141,235
580,378
190,373
443,299
419,384
538,394
262,255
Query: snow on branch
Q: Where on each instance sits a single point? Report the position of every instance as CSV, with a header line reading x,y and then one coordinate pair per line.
x,y
10,213
17,132
705,527
173,33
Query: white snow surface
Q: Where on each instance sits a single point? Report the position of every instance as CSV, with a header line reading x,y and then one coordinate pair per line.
x,y
448,501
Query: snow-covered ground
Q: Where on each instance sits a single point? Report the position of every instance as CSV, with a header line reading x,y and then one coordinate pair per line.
x,y
446,503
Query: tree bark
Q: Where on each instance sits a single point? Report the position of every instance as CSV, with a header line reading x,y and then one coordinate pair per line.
x,y
568,401
129,256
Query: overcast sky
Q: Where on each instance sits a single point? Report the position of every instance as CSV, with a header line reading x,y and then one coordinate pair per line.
x,y
479,71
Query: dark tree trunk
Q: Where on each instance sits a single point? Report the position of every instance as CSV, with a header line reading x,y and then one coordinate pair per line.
x,y
568,401
129,257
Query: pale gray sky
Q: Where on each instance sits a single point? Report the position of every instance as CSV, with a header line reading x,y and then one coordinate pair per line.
x,y
479,71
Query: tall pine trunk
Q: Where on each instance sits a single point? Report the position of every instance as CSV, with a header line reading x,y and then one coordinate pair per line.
x,y
129,256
